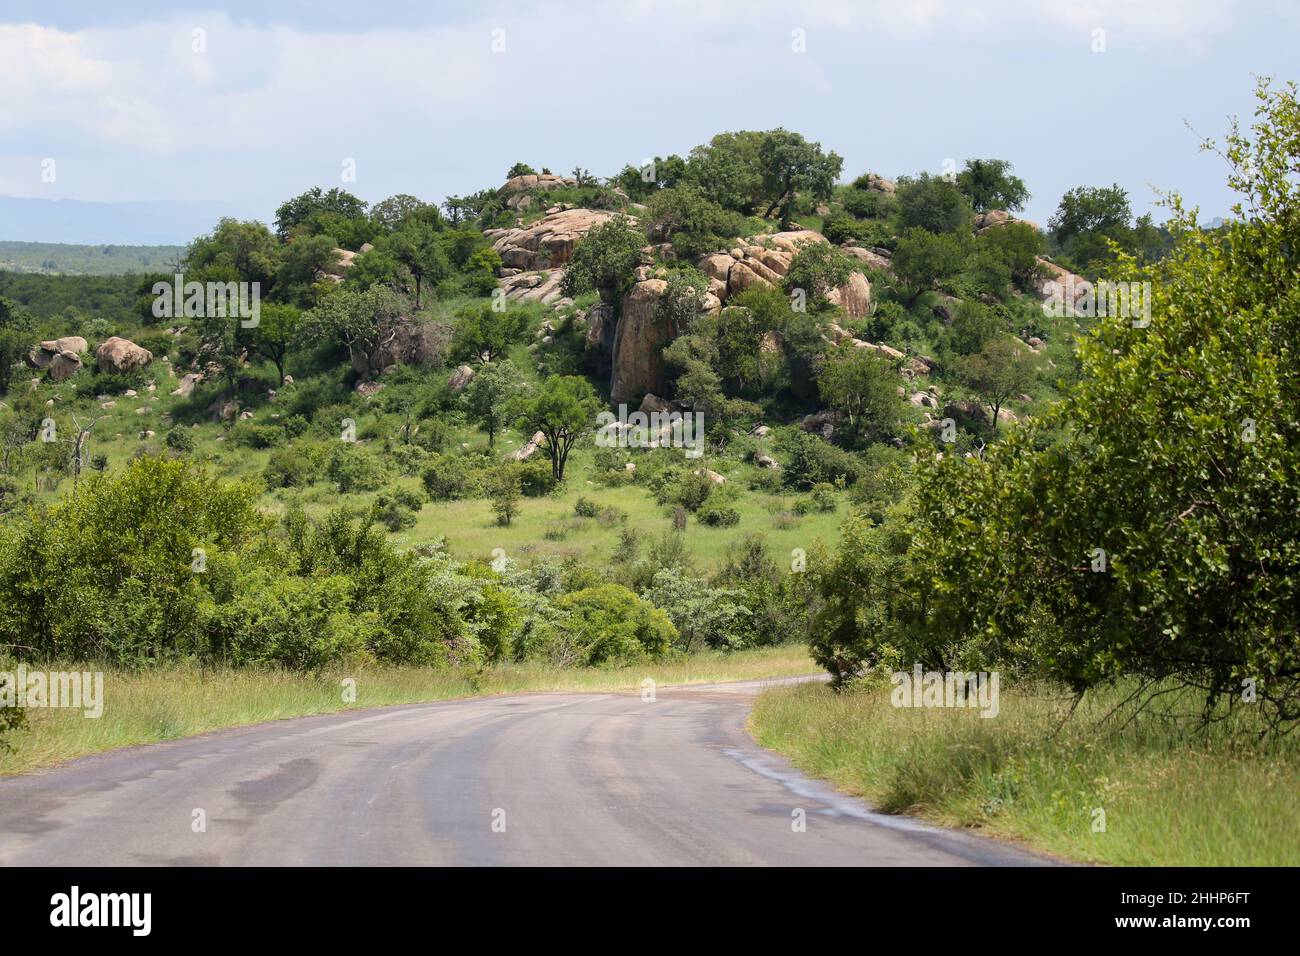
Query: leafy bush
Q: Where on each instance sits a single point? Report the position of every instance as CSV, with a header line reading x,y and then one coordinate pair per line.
x,y
449,477
717,515
122,550
180,439
612,626
250,434
296,466
353,468
809,460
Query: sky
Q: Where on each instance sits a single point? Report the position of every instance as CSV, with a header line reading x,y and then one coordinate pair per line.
x,y
254,102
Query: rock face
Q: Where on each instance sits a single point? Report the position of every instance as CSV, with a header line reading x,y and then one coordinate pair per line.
x,y
539,286
880,184
118,356
187,383
342,263
872,258
854,297
61,356
999,217
463,375
547,242
602,324
1065,280
528,448
765,260
404,341
63,365
518,184
639,340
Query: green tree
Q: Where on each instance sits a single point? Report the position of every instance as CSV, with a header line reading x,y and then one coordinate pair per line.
x,y
790,164
1000,370
923,260
728,171
482,334
934,204
694,224
604,260
357,320
504,488
490,397
303,262
563,409
817,268
611,625
989,184
234,251
415,245
275,334
391,213
294,214
863,385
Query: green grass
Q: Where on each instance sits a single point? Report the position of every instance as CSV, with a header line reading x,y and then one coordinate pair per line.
x,y
1172,795
149,706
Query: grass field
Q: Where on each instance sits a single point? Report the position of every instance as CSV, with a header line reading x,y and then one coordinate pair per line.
x,y
150,706
1171,795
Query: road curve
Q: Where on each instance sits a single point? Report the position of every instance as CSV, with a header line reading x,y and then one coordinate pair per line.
x,y
544,779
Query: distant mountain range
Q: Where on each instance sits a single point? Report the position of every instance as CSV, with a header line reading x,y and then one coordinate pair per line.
x,y
160,223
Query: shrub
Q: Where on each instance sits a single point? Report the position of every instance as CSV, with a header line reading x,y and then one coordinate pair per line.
x,y
585,508
299,623
396,508
180,439
353,468
810,460
717,515
252,435
121,549
295,467
448,478
611,625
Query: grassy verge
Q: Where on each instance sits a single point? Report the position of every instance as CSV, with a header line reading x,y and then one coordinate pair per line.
x,y
1172,796
150,706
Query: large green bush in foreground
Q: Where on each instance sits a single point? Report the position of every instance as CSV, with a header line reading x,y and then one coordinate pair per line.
x,y
1146,527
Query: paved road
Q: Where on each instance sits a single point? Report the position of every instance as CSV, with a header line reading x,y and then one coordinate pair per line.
x,y
567,779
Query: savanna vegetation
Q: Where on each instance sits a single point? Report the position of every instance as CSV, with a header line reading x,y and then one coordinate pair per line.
x,y
397,466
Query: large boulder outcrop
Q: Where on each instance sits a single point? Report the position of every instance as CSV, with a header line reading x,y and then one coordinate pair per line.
x,y
880,184
117,356
765,260
342,263
547,242
529,448
460,378
64,365
639,341
528,181
538,286
45,354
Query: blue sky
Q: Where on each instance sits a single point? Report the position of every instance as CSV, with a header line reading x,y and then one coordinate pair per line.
x,y
281,95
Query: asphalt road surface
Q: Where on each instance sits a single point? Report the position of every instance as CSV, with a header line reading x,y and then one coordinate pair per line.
x,y
545,779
